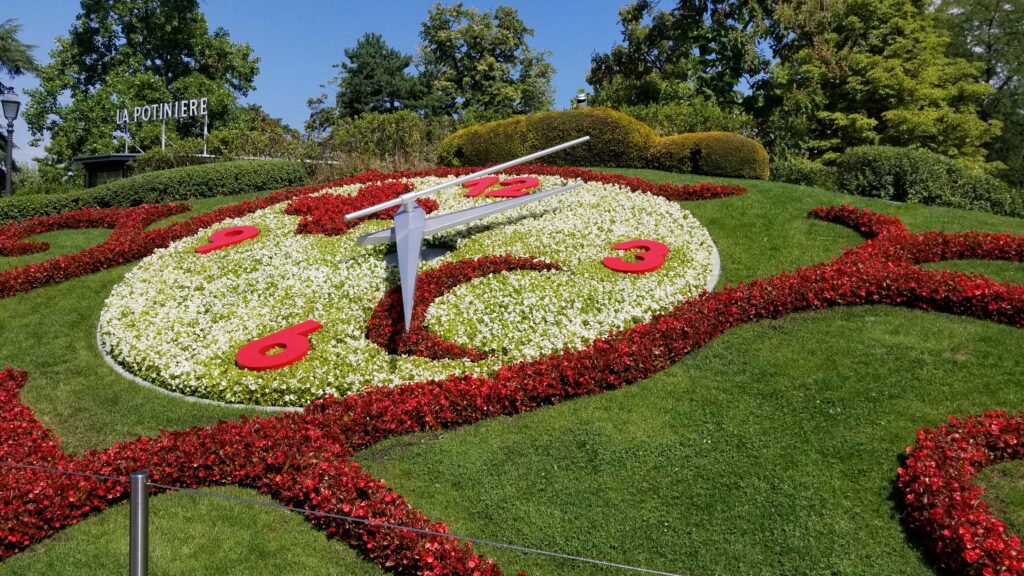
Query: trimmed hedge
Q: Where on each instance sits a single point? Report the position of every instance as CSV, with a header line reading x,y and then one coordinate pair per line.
x,y
616,140
922,177
805,172
203,181
712,154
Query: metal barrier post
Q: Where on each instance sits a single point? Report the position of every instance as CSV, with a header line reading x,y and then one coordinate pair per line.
x,y
138,524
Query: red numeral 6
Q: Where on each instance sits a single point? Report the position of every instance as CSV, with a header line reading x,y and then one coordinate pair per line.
x,y
293,342
228,236
650,257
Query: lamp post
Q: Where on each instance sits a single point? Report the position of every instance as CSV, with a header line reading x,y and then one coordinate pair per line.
x,y
11,104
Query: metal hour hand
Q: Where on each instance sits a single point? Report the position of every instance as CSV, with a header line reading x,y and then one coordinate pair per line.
x,y
411,223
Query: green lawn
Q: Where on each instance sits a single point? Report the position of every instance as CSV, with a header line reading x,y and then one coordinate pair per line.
x,y
771,451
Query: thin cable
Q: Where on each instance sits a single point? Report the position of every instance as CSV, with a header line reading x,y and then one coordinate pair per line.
x,y
60,471
365,521
423,531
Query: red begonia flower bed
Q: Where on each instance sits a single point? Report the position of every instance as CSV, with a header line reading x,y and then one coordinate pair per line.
x,y
942,504
130,241
387,323
305,459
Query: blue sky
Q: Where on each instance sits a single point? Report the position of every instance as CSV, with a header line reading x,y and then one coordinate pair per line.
x,y
298,40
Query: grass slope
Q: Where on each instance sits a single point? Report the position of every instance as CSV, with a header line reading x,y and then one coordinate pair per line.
x,y
770,451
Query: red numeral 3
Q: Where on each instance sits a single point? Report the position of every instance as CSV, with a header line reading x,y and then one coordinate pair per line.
x,y
650,257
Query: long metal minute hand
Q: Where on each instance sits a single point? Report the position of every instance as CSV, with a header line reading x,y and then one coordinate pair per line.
x,y
446,221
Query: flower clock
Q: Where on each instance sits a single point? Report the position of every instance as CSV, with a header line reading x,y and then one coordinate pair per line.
x,y
545,277
276,303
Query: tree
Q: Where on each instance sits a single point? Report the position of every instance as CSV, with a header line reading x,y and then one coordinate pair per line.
x,y
122,53
991,32
857,72
15,59
374,79
480,64
708,48
15,56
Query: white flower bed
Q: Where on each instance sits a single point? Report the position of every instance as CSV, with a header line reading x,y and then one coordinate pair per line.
x,y
179,317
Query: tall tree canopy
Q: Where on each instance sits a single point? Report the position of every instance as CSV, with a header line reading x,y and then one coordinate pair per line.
x,y
122,53
871,71
480,63
15,56
991,32
15,59
713,46
374,79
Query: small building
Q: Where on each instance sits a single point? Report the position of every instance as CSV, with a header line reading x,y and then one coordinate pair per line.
x,y
104,168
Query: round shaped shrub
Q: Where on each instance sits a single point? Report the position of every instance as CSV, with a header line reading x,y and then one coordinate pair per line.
x,y
805,172
922,177
712,154
615,139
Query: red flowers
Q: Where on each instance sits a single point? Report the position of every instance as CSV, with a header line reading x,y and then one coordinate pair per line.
x,y
387,323
942,504
321,215
305,459
326,214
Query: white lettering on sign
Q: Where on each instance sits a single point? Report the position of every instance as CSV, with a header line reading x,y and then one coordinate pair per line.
x,y
163,111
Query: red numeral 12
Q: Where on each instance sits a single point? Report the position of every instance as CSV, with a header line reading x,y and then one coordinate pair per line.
x,y
512,187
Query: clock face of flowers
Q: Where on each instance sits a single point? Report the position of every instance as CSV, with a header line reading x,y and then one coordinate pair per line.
x,y
608,258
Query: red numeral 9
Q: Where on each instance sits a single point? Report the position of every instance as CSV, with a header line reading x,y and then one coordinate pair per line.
x,y
650,257
227,237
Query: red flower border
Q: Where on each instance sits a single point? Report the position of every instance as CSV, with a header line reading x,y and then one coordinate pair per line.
x,y
943,505
131,241
305,459
387,322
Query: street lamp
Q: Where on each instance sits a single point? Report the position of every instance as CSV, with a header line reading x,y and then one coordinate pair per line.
x,y
11,104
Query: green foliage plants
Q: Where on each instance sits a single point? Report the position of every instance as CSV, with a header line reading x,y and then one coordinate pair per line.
x,y
188,182
922,177
616,140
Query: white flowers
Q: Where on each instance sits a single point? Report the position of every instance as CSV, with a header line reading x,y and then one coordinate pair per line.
x,y
179,317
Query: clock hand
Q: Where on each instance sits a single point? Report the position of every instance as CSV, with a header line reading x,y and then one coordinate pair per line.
x,y
405,199
444,222
408,234
409,227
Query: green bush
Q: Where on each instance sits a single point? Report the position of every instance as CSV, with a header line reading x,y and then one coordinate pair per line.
x,y
45,179
185,152
922,177
616,140
373,141
806,172
688,117
400,138
221,179
711,154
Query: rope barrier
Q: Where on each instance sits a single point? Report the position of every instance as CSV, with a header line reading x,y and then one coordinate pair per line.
x,y
425,532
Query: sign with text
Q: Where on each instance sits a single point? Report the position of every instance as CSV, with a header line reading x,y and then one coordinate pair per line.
x,y
164,111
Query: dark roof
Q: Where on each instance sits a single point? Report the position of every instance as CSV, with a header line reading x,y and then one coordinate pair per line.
x,y
104,158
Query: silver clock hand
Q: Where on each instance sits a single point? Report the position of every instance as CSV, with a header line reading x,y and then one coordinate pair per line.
x,y
408,233
405,199
446,221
